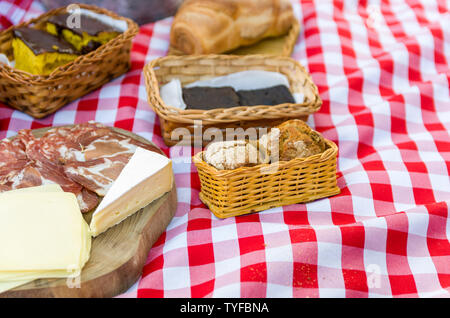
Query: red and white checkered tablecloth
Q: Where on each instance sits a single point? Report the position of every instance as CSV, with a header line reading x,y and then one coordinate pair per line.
x,y
382,68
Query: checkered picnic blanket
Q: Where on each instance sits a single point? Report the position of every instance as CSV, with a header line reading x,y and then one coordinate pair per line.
x,y
383,73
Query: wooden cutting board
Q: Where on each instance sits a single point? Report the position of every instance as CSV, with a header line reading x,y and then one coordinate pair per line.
x,y
117,256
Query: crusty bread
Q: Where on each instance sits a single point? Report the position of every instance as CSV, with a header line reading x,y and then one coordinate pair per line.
x,y
297,141
232,154
218,26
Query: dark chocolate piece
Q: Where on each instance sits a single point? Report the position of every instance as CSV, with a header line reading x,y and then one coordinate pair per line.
x,y
87,24
210,97
41,42
275,95
91,46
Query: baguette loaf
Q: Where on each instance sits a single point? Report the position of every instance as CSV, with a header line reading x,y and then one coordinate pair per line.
x,y
218,26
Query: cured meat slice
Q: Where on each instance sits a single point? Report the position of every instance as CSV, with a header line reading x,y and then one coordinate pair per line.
x,y
92,155
28,176
45,151
87,200
84,159
101,162
43,167
15,168
32,175
13,163
12,157
82,142
97,174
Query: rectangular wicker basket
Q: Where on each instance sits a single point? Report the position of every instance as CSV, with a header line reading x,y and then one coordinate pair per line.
x,y
41,95
190,68
281,45
246,190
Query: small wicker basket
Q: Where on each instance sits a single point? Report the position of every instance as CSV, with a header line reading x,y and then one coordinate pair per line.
x,y
41,95
251,189
191,68
281,45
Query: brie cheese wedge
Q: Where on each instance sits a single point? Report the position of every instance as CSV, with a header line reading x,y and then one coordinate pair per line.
x,y
146,177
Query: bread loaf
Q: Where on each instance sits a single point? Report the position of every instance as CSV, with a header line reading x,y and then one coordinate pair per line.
x,y
218,26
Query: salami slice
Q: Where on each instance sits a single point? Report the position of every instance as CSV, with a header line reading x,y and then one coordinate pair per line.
x,y
28,176
39,164
93,155
84,159
32,175
12,157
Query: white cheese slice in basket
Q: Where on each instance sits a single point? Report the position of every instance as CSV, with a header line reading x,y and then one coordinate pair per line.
x,y
146,177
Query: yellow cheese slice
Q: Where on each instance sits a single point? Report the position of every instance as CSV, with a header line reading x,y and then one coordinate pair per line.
x,y
10,280
42,234
4,286
43,188
73,270
145,178
14,279
86,244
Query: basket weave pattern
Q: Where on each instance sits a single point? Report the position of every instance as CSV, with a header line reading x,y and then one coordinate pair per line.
x,y
41,95
189,69
251,189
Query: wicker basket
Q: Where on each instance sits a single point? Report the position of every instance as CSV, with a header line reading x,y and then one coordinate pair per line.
x,y
191,68
251,189
281,45
41,95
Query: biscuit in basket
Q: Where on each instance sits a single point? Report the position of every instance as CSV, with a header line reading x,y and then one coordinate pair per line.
x,y
292,139
233,154
298,141
260,187
270,144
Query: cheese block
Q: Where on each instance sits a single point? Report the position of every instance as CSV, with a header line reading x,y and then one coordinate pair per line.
x,y
14,279
146,177
4,286
53,187
42,234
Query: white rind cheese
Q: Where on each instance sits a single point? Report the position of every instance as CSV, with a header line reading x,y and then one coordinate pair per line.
x,y
146,177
